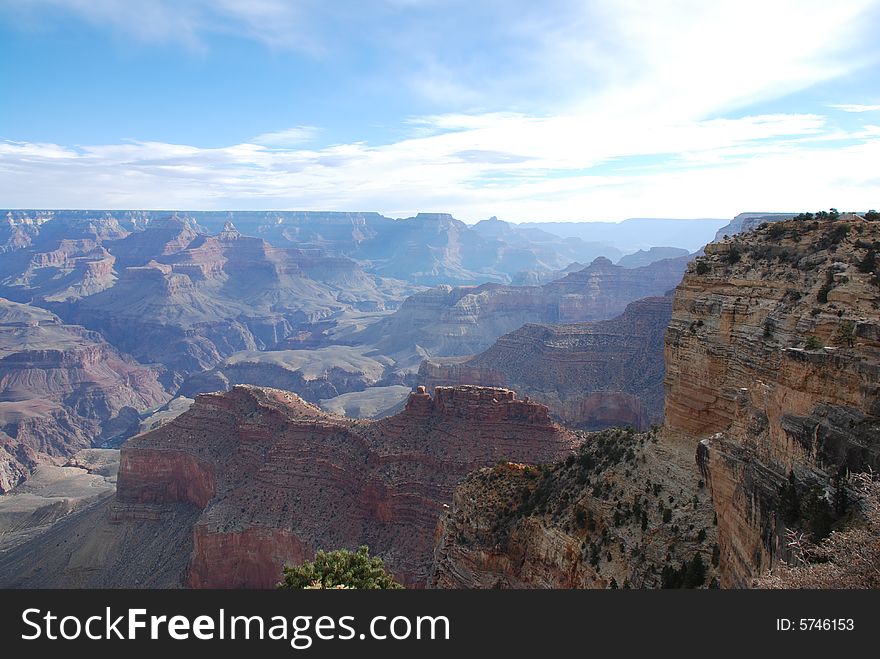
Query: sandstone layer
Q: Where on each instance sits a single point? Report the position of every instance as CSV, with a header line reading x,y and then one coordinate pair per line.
x,y
447,321
773,378
590,375
62,389
275,478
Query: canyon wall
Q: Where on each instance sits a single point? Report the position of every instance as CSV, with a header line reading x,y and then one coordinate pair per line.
x,y
590,375
62,389
446,321
773,379
277,479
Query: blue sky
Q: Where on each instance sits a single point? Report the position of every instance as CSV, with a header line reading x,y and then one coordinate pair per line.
x,y
559,110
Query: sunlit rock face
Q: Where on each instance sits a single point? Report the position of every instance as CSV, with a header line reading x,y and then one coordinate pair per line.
x,y
62,388
773,368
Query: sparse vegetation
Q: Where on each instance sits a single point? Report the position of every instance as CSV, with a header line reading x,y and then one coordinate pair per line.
x,y
848,558
691,574
703,267
822,295
846,334
776,231
812,343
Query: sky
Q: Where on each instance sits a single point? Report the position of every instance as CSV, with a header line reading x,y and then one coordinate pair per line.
x,y
557,110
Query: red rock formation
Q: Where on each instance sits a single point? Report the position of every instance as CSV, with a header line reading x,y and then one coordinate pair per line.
x,y
62,388
590,375
277,479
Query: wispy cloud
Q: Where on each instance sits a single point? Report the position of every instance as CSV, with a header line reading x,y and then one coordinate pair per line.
x,y
559,110
515,166
855,107
288,137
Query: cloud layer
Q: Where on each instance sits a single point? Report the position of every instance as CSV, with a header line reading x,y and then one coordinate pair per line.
x,y
595,111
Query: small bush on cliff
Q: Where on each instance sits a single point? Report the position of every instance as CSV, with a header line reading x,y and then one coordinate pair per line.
x,y
846,334
812,343
776,230
822,295
702,268
340,568
869,263
872,215
839,233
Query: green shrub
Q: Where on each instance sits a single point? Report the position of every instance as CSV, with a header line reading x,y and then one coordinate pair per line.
x,y
846,334
822,295
776,230
702,268
339,569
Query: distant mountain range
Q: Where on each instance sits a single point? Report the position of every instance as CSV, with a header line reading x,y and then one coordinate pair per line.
x,y
428,249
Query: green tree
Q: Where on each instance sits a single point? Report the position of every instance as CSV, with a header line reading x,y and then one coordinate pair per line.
x,y
846,334
695,575
339,569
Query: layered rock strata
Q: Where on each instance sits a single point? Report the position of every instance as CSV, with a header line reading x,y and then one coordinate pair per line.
x,y
773,379
62,389
447,321
624,512
276,478
590,375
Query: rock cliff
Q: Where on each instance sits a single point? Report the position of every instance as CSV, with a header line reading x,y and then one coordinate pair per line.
x,y
446,321
623,512
189,308
590,375
62,388
276,478
773,379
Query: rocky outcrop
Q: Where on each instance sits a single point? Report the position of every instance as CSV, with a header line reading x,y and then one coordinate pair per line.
x,y
276,478
748,222
623,512
446,321
773,379
62,388
590,375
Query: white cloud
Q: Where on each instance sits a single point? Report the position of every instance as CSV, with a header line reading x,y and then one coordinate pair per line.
x,y
591,110
855,107
514,166
288,137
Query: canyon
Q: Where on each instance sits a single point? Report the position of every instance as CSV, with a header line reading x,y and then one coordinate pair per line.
x,y
773,379
772,382
273,479
455,321
62,389
284,393
590,375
